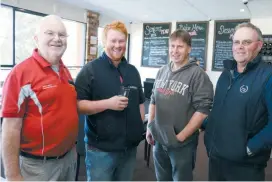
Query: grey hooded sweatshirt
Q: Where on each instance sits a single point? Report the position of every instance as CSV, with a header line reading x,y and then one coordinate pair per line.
x,y
177,95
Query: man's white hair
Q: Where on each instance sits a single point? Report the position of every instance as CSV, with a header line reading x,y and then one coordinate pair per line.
x,y
45,19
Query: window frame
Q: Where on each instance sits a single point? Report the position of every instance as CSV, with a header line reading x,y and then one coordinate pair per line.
x,y
14,9
13,38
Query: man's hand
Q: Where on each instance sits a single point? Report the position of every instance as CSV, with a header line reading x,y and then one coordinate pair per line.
x,y
180,137
117,103
193,125
15,178
149,137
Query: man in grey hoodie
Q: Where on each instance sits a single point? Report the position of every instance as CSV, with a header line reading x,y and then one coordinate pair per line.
x,y
182,98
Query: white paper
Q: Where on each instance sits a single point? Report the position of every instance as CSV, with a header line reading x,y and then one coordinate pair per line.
x,y
93,40
93,50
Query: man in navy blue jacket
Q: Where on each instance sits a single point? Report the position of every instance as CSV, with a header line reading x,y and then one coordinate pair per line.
x,y
238,133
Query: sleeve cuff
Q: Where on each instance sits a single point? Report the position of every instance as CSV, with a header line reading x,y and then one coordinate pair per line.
x,y
152,101
249,153
203,110
142,101
82,98
11,115
204,123
253,145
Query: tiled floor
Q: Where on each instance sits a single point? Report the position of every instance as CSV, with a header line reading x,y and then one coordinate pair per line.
x,y
144,173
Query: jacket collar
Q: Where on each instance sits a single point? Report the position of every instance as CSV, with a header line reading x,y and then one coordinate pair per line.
x,y
232,64
106,58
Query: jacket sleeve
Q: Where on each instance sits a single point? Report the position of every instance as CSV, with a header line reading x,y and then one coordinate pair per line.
x,y
204,123
202,93
263,139
83,83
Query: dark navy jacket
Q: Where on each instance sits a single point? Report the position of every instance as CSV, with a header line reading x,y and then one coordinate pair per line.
x,y
241,115
111,130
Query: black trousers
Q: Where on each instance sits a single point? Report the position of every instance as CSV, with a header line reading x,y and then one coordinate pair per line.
x,y
224,170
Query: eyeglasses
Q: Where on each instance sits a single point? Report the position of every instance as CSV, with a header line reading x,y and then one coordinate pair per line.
x,y
244,42
52,34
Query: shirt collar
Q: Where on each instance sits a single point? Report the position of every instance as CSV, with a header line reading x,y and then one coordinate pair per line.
x,y
42,61
106,57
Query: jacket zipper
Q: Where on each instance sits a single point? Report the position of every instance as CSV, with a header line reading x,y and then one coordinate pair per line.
x,y
125,110
231,81
229,87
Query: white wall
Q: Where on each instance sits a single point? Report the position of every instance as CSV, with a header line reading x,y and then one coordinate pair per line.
x,y
105,19
136,47
50,7
265,24
58,8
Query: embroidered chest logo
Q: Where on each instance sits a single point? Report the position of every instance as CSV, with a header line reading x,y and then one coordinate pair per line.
x,y
243,89
48,86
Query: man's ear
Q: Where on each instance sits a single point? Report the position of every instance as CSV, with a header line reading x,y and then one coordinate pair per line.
x,y
260,45
190,49
104,41
35,37
36,40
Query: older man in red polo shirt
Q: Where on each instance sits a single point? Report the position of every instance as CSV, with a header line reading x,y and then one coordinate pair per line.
x,y
40,123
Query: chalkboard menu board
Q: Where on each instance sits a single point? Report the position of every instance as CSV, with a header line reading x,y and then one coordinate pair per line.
x,y
267,48
199,33
222,49
155,44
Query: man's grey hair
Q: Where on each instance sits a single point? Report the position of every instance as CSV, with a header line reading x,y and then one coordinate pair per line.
x,y
46,18
250,25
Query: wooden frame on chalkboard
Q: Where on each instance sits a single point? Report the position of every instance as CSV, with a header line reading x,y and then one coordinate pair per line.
x,y
214,38
206,38
142,50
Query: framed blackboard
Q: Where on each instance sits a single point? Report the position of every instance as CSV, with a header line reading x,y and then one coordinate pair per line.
x,y
155,44
199,33
222,49
267,48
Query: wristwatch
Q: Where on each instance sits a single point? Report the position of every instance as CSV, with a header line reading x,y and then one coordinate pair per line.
x,y
249,153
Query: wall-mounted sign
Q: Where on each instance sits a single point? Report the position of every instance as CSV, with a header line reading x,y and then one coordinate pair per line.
x,y
155,44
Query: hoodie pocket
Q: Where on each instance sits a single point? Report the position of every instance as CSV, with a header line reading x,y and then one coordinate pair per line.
x,y
164,135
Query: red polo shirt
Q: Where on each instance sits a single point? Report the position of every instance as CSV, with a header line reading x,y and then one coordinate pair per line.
x,y
46,102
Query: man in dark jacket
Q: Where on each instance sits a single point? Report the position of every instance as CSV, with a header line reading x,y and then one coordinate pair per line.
x,y
238,132
114,125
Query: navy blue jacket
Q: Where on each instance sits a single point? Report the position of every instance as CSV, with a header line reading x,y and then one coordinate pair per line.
x,y
111,130
241,115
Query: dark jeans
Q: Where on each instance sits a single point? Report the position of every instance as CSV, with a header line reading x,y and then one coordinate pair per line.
x,y
224,170
110,166
174,163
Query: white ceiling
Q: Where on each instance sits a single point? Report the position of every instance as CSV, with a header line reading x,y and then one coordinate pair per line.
x,y
138,11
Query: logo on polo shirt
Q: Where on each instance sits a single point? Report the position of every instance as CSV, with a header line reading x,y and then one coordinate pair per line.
x,y
243,89
48,86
